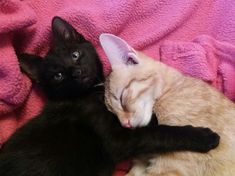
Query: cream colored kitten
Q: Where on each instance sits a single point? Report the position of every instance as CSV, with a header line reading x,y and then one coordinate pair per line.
x,y
139,85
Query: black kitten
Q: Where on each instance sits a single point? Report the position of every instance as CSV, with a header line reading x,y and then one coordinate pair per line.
x,y
75,135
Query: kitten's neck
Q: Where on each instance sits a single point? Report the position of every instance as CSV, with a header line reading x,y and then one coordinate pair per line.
x,y
169,77
82,94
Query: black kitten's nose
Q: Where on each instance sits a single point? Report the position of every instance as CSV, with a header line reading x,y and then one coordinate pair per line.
x,y
77,73
81,74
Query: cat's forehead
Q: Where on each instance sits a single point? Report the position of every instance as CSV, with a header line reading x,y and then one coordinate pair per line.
x,y
115,83
119,76
120,79
68,48
63,54
56,60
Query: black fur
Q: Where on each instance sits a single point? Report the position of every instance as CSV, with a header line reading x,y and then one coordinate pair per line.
x,y
75,135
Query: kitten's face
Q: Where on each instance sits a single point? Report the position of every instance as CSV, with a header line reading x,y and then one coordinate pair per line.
x,y
130,97
130,88
70,67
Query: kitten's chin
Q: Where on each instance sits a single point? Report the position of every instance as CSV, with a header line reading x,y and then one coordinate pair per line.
x,y
136,122
86,80
86,83
140,120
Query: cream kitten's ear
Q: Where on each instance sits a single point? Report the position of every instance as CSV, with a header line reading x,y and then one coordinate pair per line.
x,y
118,51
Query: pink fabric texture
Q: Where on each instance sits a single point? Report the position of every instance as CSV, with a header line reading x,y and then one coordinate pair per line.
x,y
195,36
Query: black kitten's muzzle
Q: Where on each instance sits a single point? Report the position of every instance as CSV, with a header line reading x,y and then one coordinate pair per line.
x,y
77,73
82,76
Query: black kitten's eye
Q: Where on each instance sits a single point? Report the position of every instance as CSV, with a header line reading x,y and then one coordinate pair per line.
x,y
76,55
58,77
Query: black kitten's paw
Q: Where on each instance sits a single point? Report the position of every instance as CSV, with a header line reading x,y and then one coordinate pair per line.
x,y
204,139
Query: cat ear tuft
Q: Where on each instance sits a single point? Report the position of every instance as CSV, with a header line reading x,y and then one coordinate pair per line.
x,y
63,31
30,65
117,50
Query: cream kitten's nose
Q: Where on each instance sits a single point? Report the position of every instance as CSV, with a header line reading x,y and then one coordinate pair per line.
x,y
127,124
125,120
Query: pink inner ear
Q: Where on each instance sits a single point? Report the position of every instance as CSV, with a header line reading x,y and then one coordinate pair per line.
x,y
132,59
117,50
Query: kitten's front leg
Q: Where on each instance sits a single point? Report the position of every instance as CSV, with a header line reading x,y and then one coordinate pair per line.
x,y
130,143
179,138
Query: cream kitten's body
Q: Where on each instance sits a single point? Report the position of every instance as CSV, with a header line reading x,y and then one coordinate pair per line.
x,y
133,90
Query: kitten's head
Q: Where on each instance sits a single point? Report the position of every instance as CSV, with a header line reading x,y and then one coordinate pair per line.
x,y
70,68
131,86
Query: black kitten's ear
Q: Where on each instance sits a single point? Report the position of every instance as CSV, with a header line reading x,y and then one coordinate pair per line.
x,y
30,64
63,31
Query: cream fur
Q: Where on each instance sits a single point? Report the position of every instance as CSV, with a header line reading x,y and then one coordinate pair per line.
x,y
177,100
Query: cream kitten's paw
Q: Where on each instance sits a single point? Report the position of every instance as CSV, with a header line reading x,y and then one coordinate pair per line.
x,y
138,169
171,173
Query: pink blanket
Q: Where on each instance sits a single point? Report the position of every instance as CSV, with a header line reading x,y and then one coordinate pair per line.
x,y
195,36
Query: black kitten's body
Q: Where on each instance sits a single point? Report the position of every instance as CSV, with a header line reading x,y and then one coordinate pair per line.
x,y
75,135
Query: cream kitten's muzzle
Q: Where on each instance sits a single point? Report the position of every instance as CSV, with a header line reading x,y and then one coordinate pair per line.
x,y
133,120
124,119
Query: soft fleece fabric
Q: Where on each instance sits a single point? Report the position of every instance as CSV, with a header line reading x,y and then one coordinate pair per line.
x,y
194,36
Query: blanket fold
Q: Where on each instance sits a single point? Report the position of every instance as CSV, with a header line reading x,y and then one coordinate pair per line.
x,y
204,58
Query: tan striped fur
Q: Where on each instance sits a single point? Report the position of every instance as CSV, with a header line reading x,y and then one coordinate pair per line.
x,y
177,100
